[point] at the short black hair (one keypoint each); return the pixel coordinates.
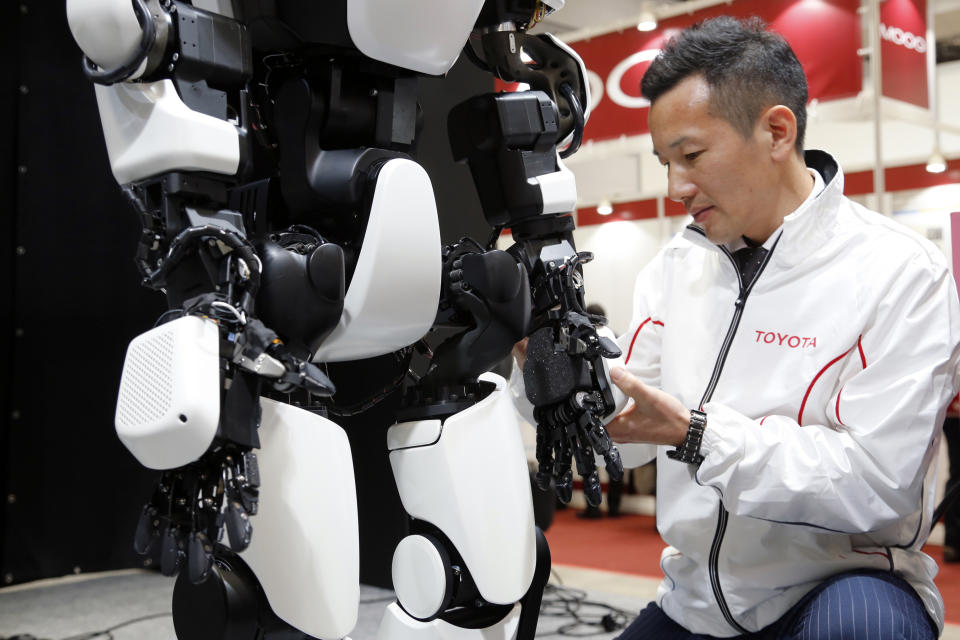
(747, 68)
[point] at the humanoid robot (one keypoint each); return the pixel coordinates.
(265, 146)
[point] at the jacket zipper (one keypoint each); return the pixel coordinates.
(723, 516)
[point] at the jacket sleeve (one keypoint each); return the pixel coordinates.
(867, 471)
(641, 347)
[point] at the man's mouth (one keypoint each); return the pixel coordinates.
(699, 215)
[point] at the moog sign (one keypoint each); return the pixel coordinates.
(903, 50)
(896, 35)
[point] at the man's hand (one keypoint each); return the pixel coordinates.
(655, 417)
(520, 352)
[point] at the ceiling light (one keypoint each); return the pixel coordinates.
(647, 21)
(605, 208)
(937, 163)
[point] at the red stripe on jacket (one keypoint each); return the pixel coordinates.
(635, 334)
(863, 361)
(817, 377)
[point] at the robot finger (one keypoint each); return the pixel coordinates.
(244, 482)
(148, 530)
(614, 465)
(563, 475)
(239, 529)
(600, 440)
(587, 469)
(171, 553)
(591, 489)
(544, 460)
(308, 376)
(199, 557)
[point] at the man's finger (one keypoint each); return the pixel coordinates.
(620, 429)
(628, 382)
(520, 352)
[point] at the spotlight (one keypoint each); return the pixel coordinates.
(937, 163)
(605, 208)
(647, 21)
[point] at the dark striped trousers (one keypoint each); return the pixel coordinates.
(860, 605)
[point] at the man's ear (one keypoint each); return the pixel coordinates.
(780, 126)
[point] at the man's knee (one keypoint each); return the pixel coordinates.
(864, 606)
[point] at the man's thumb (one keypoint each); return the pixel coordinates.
(619, 375)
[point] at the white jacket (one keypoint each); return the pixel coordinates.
(825, 390)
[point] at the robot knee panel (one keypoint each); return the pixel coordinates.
(432, 581)
(424, 578)
(438, 597)
(468, 477)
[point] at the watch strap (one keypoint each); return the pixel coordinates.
(689, 449)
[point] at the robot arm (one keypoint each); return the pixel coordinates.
(171, 85)
(510, 143)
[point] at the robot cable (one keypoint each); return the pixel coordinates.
(109, 631)
(579, 117)
(590, 618)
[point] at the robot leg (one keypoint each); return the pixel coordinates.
(475, 565)
(299, 577)
(305, 549)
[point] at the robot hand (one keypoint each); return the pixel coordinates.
(193, 505)
(260, 350)
(566, 381)
(486, 292)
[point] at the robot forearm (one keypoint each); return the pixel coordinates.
(510, 143)
(564, 374)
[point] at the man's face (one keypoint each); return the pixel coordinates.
(724, 180)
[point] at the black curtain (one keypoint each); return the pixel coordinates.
(71, 493)
(71, 490)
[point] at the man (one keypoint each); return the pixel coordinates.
(795, 352)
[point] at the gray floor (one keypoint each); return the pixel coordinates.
(65, 607)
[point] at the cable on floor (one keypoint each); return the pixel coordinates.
(108, 633)
(589, 618)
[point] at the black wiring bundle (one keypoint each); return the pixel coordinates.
(589, 618)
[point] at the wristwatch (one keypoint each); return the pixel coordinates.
(689, 449)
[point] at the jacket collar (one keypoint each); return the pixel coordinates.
(808, 228)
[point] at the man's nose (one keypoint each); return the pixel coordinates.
(679, 185)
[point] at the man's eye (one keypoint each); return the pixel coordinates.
(692, 156)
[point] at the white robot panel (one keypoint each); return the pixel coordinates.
(470, 484)
(150, 131)
(405, 34)
(91, 20)
(168, 407)
(381, 313)
(305, 552)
